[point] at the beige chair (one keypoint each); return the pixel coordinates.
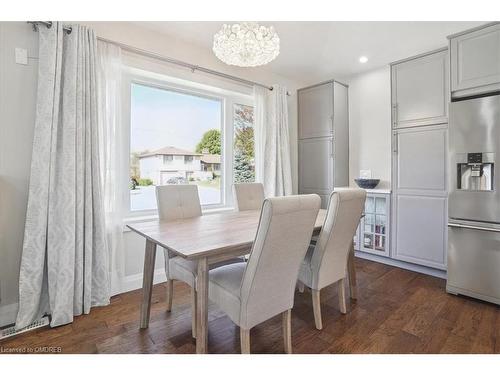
(181, 202)
(326, 262)
(248, 196)
(254, 292)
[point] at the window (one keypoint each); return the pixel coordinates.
(183, 132)
(165, 123)
(244, 150)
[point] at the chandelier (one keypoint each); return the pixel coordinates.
(246, 44)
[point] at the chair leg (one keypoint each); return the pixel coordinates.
(316, 308)
(287, 330)
(170, 293)
(353, 291)
(194, 299)
(342, 304)
(300, 285)
(245, 341)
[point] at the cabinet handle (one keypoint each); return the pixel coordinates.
(331, 124)
(486, 229)
(395, 114)
(395, 143)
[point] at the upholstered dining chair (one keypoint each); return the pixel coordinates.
(248, 196)
(253, 292)
(326, 262)
(181, 202)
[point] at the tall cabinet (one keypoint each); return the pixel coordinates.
(420, 97)
(323, 144)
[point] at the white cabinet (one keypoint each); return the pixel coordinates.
(323, 144)
(475, 61)
(316, 111)
(420, 195)
(419, 92)
(373, 234)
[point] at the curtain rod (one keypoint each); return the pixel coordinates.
(157, 56)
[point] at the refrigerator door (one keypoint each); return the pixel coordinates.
(474, 260)
(475, 128)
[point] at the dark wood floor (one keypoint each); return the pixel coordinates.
(398, 311)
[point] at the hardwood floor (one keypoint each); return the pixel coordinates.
(397, 311)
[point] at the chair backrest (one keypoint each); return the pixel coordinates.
(178, 202)
(248, 196)
(329, 260)
(284, 232)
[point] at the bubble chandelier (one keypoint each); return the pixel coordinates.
(247, 44)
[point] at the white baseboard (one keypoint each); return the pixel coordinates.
(133, 282)
(398, 263)
(8, 314)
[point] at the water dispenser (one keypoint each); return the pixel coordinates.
(475, 171)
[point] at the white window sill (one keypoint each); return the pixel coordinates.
(141, 219)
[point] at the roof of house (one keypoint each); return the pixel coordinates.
(169, 151)
(210, 159)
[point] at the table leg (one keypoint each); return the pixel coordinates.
(147, 282)
(352, 274)
(202, 307)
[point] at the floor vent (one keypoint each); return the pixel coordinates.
(11, 331)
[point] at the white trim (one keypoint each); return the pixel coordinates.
(400, 264)
(133, 282)
(8, 314)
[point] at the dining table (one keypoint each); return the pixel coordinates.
(206, 239)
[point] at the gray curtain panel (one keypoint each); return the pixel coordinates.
(65, 266)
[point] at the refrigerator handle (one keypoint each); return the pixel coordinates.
(463, 226)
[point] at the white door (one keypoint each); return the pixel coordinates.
(420, 91)
(316, 111)
(316, 167)
(475, 61)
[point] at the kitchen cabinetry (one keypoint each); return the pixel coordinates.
(419, 160)
(475, 61)
(373, 234)
(323, 144)
(419, 90)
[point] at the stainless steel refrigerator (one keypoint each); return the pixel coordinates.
(474, 199)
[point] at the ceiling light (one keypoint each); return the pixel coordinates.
(363, 59)
(246, 44)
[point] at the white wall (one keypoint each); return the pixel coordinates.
(17, 114)
(370, 125)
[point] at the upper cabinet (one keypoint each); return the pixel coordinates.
(420, 90)
(316, 111)
(475, 61)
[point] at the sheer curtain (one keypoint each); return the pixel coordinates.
(112, 140)
(272, 142)
(65, 260)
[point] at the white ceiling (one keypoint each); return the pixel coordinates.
(315, 51)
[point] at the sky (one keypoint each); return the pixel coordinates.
(161, 118)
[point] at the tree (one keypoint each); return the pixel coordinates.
(211, 141)
(243, 171)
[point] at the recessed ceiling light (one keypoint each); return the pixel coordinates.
(363, 59)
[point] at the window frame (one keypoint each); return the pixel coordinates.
(227, 99)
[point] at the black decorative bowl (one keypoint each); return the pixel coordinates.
(367, 183)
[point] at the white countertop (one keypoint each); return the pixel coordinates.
(369, 191)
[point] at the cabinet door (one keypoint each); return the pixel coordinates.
(316, 111)
(374, 227)
(475, 61)
(420, 91)
(316, 167)
(421, 230)
(420, 196)
(420, 155)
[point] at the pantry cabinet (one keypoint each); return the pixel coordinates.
(475, 61)
(419, 92)
(323, 144)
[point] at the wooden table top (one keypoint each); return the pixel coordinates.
(207, 235)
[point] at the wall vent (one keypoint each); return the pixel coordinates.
(11, 331)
